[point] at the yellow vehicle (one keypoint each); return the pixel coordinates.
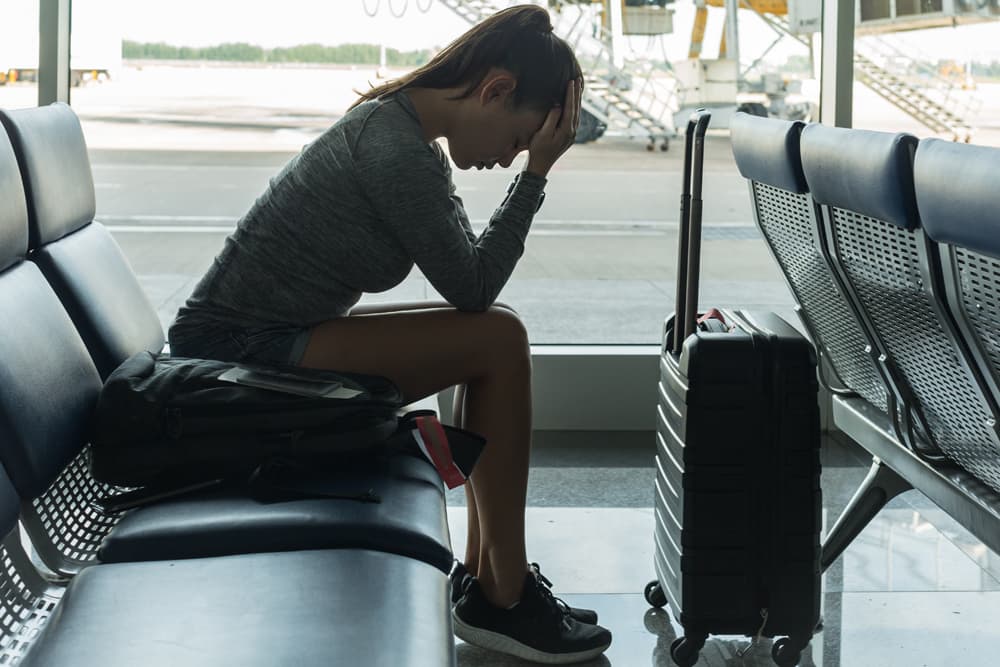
(97, 41)
(958, 74)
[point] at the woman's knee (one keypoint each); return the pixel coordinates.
(507, 323)
(503, 340)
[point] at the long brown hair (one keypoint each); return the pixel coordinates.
(518, 39)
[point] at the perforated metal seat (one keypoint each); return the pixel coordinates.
(864, 180)
(767, 155)
(962, 214)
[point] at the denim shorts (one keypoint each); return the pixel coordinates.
(207, 339)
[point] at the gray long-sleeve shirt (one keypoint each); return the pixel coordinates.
(352, 213)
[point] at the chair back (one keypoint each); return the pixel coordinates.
(864, 181)
(78, 256)
(958, 195)
(767, 155)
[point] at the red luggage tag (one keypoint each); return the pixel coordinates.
(712, 314)
(433, 442)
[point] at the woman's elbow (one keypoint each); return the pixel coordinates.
(478, 302)
(472, 306)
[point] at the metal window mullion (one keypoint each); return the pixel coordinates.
(54, 51)
(836, 100)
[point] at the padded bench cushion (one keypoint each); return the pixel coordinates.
(958, 193)
(94, 281)
(48, 385)
(304, 608)
(80, 259)
(867, 172)
(767, 151)
(13, 212)
(59, 182)
(410, 520)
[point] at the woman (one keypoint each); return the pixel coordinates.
(351, 214)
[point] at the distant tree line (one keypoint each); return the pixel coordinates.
(346, 54)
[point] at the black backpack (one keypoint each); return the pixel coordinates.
(173, 424)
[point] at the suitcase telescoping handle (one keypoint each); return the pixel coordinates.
(689, 241)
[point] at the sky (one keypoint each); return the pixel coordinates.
(271, 23)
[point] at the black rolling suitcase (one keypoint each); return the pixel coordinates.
(737, 484)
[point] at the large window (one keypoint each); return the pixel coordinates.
(206, 101)
(18, 53)
(930, 68)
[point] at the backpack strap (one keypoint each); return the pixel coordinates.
(273, 481)
(115, 503)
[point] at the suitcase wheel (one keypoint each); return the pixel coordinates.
(654, 594)
(785, 652)
(684, 651)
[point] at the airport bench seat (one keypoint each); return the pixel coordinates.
(865, 182)
(767, 154)
(303, 608)
(307, 608)
(68, 295)
(904, 322)
(409, 520)
(94, 283)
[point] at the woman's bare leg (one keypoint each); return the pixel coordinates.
(472, 536)
(425, 350)
(472, 541)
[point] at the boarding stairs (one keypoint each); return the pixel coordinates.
(636, 100)
(937, 102)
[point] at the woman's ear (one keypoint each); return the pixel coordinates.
(497, 87)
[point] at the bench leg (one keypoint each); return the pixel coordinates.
(880, 486)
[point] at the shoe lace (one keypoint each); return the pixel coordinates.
(556, 604)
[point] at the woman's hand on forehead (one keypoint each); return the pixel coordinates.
(557, 133)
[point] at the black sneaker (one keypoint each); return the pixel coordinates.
(538, 628)
(578, 613)
(460, 577)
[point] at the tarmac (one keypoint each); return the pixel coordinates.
(180, 153)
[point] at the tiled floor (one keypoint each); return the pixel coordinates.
(915, 589)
